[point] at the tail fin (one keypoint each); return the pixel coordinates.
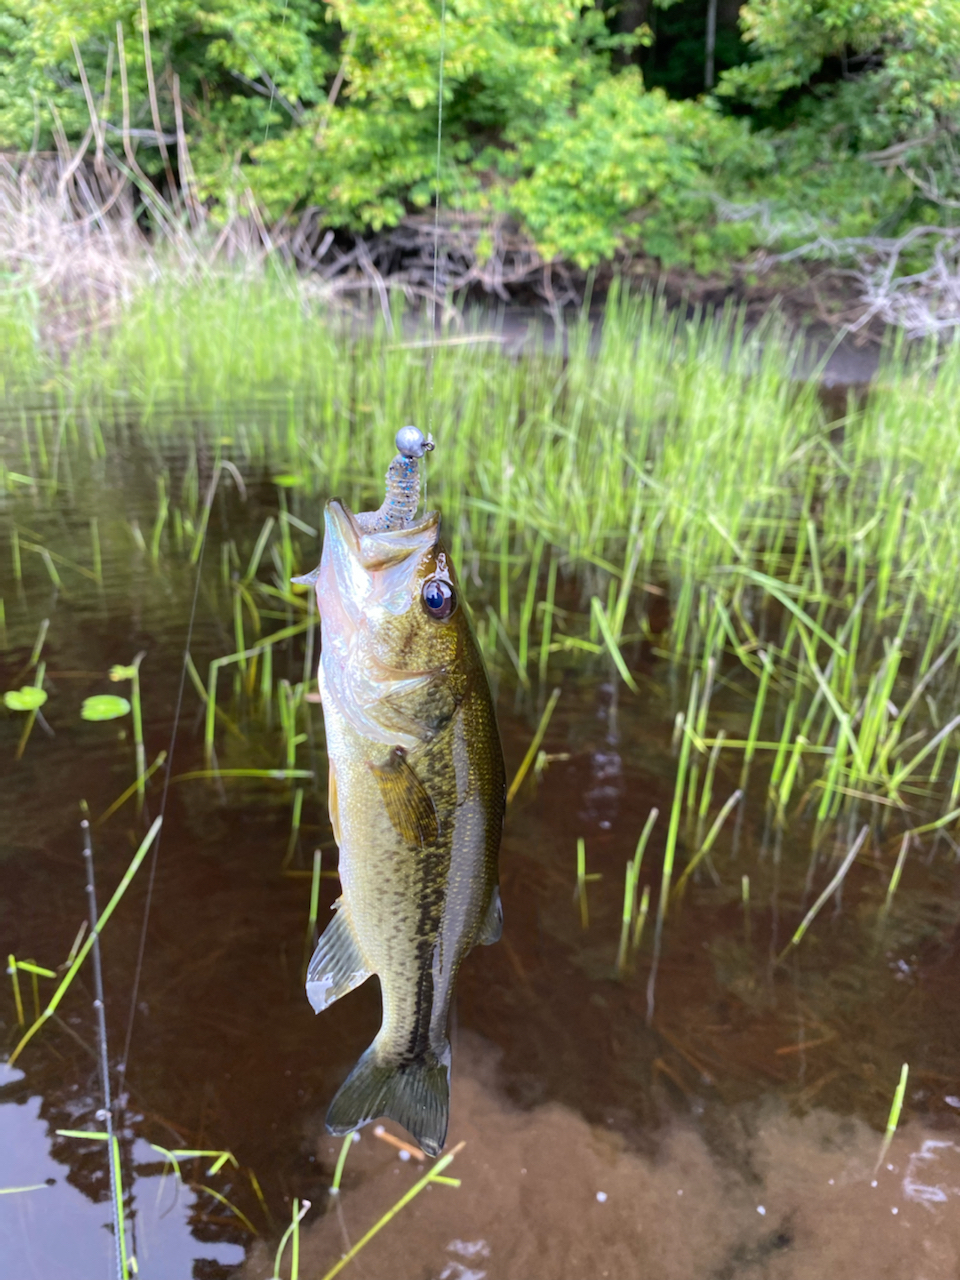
(415, 1094)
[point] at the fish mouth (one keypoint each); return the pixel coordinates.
(379, 549)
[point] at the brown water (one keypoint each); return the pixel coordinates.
(734, 1133)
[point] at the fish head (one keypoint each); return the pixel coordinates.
(390, 612)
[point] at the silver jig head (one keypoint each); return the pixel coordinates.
(403, 491)
(402, 485)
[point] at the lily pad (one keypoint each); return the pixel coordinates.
(29, 698)
(288, 481)
(104, 706)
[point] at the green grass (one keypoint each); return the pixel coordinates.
(85, 949)
(676, 449)
(659, 482)
(659, 455)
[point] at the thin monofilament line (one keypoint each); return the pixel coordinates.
(436, 212)
(436, 247)
(436, 220)
(151, 878)
(273, 83)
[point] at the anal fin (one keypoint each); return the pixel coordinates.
(333, 804)
(492, 927)
(337, 965)
(407, 801)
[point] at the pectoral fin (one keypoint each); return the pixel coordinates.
(407, 801)
(492, 926)
(337, 965)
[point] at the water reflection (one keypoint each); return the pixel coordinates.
(62, 1232)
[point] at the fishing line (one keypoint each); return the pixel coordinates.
(436, 215)
(151, 879)
(431, 394)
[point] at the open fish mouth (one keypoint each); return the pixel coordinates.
(368, 541)
(357, 521)
(373, 561)
(378, 549)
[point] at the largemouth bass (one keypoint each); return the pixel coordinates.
(416, 797)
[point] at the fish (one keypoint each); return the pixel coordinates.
(416, 796)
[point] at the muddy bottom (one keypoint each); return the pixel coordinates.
(544, 1193)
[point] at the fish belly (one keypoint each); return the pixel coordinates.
(384, 892)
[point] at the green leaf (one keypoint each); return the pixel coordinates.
(288, 481)
(122, 673)
(26, 699)
(104, 706)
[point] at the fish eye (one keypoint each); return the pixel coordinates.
(439, 598)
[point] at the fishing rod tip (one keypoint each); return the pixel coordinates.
(411, 442)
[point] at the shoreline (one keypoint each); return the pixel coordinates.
(82, 250)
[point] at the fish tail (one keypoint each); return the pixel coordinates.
(415, 1094)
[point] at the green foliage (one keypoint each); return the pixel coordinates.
(911, 47)
(227, 55)
(675, 58)
(26, 699)
(633, 168)
(510, 66)
(335, 106)
(104, 706)
(854, 86)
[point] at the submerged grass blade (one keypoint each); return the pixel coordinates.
(31, 715)
(311, 938)
(629, 907)
(671, 846)
(341, 1161)
(119, 1220)
(581, 891)
(831, 888)
(707, 845)
(641, 919)
(897, 872)
(84, 951)
(292, 1232)
(675, 811)
(894, 1118)
(404, 1200)
(237, 1213)
(776, 590)
(134, 788)
(603, 622)
(15, 981)
(534, 747)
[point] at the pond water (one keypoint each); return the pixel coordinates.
(724, 1121)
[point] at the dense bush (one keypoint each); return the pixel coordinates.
(842, 120)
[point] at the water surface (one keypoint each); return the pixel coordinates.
(730, 1127)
